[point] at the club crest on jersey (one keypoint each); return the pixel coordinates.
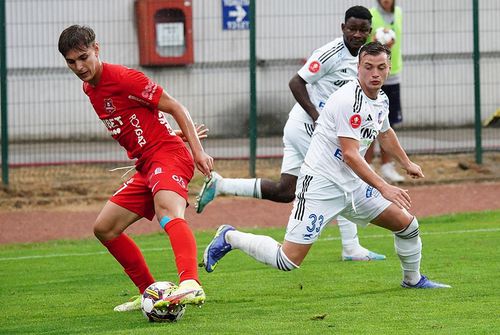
(355, 121)
(314, 67)
(108, 106)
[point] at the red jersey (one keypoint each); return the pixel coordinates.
(126, 101)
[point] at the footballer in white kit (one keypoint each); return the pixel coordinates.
(334, 180)
(327, 186)
(329, 68)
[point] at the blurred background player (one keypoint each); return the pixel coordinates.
(329, 68)
(131, 106)
(386, 15)
(336, 180)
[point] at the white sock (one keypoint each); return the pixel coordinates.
(262, 248)
(349, 236)
(240, 187)
(409, 249)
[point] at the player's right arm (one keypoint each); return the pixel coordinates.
(299, 91)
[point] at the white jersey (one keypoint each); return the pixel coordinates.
(329, 68)
(347, 113)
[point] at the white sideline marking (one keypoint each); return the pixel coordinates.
(83, 254)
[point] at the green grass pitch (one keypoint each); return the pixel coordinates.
(71, 287)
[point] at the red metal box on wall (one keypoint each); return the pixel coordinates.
(165, 32)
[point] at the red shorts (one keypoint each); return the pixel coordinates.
(164, 170)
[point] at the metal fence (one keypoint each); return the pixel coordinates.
(49, 119)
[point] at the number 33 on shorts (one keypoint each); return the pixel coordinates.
(314, 227)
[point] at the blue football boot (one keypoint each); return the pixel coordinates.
(425, 282)
(217, 248)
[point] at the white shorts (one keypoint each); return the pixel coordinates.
(318, 201)
(296, 140)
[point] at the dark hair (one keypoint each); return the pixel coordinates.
(358, 12)
(75, 37)
(392, 7)
(374, 49)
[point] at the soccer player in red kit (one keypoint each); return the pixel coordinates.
(132, 108)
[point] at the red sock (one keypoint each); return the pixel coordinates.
(128, 254)
(184, 247)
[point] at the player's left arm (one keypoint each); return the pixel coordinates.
(357, 163)
(352, 157)
(169, 105)
(390, 143)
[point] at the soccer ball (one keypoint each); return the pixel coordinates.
(385, 36)
(156, 292)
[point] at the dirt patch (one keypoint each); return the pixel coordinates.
(62, 202)
(51, 187)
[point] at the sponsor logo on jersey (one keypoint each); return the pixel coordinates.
(162, 118)
(108, 106)
(113, 124)
(355, 121)
(179, 181)
(149, 90)
(343, 70)
(314, 67)
(134, 121)
(368, 133)
(338, 154)
(142, 101)
(369, 118)
(116, 131)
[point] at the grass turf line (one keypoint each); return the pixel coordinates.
(75, 294)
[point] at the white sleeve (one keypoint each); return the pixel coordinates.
(317, 66)
(347, 122)
(385, 125)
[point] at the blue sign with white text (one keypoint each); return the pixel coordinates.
(235, 14)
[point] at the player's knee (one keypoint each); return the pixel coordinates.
(408, 230)
(105, 231)
(404, 221)
(100, 233)
(284, 263)
(169, 210)
(166, 216)
(407, 241)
